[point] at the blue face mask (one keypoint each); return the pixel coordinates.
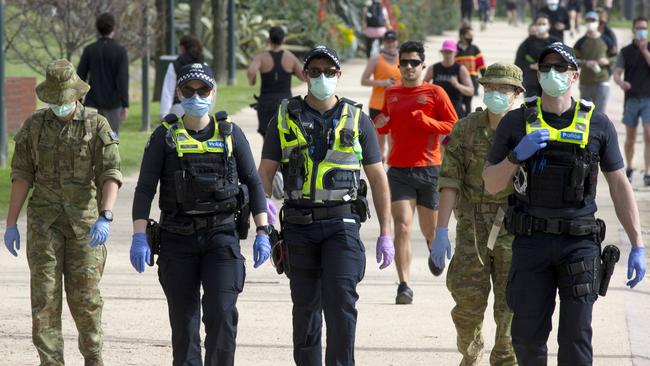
(323, 87)
(641, 34)
(554, 83)
(196, 106)
(496, 102)
(62, 110)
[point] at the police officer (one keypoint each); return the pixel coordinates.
(483, 247)
(200, 161)
(67, 153)
(553, 146)
(321, 142)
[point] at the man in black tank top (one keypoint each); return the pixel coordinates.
(276, 67)
(452, 77)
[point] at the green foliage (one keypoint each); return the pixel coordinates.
(419, 18)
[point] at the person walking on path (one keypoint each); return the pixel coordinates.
(382, 72)
(324, 206)
(374, 22)
(529, 51)
(469, 55)
(595, 53)
(415, 114)
(68, 156)
(191, 53)
(632, 74)
(105, 66)
(483, 247)
(553, 148)
(558, 18)
(452, 77)
(276, 66)
(208, 188)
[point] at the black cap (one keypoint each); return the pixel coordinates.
(197, 71)
(561, 49)
(391, 35)
(322, 51)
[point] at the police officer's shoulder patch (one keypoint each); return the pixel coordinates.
(109, 137)
(113, 136)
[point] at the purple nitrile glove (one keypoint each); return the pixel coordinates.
(385, 251)
(636, 265)
(271, 211)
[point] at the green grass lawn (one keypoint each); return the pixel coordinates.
(132, 138)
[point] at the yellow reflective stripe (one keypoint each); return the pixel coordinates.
(576, 133)
(186, 144)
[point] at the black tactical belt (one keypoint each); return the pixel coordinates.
(519, 223)
(304, 216)
(187, 225)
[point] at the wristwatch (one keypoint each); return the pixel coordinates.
(107, 215)
(267, 229)
(512, 157)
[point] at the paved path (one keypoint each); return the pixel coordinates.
(135, 312)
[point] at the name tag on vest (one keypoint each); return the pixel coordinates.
(216, 144)
(576, 136)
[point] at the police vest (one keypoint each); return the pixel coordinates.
(207, 180)
(565, 173)
(337, 176)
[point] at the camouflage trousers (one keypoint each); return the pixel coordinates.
(470, 272)
(54, 255)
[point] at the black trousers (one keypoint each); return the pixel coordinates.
(538, 269)
(327, 261)
(212, 259)
(466, 7)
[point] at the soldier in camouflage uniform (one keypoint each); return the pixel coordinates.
(64, 152)
(483, 246)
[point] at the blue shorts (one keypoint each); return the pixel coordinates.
(635, 108)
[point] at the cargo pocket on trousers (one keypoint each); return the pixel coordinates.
(238, 269)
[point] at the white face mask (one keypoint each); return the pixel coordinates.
(592, 26)
(553, 6)
(542, 29)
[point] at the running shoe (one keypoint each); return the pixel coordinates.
(646, 180)
(404, 294)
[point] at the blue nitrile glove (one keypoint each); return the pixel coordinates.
(12, 239)
(440, 246)
(140, 252)
(99, 232)
(261, 250)
(531, 143)
(636, 263)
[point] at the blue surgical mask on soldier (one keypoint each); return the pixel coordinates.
(323, 87)
(62, 110)
(641, 34)
(554, 83)
(496, 102)
(196, 106)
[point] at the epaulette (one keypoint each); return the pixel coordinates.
(294, 106)
(351, 102)
(221, 116)
(169, 119)
(586, 105)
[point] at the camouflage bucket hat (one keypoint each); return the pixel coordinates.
(503, 73)
(62, 84)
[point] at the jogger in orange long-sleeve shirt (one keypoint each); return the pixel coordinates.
(415, 114)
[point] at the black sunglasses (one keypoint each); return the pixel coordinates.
(413, 63)
(561, 67)
(314, 73)
(188, 92)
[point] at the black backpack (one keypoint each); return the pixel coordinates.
(375, 15)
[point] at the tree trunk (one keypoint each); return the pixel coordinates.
(159, 47)
(219, 38)
(196, 11)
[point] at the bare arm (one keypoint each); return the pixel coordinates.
(19, 191)
(428, 75)
(297, 68)
(267, 171)
(380, 194)
(366, 79)
(618, 79)
(497, 177)
(253, 68)
(625, 206)
(447, 203)
(109, 194)
(643, 47)
(464, 84)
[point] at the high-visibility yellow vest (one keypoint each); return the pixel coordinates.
(186, 144)
(337, 176)
(575, 133)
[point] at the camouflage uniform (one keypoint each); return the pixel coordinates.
(64, 163)
(473, 264)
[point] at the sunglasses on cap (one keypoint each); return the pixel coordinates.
(314, 72)
(188, 91)
(561, 67)
(412, 63)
